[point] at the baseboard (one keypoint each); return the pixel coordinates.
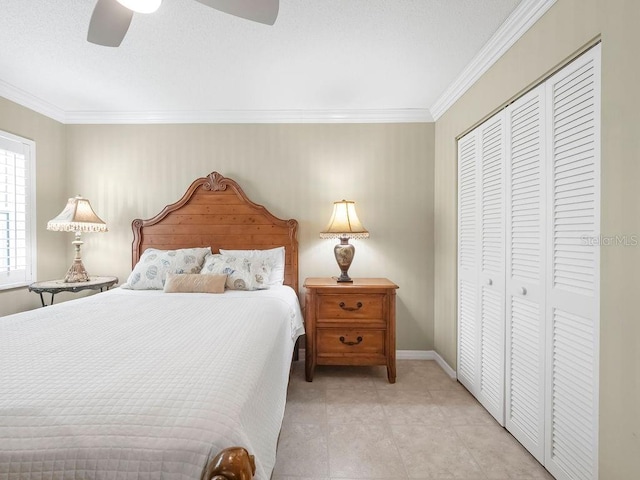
(445, 366)
(417, 355)
(426, 355)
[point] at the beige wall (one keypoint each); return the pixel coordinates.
(567, 27)
(296, 171)
(51, 195)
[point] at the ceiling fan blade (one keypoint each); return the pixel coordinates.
(109, 23)
(261, 11)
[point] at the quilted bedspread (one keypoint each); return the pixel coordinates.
(142, 384)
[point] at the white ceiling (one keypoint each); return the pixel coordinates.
(187, 59)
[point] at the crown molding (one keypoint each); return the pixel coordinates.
(30, 101)
(522, 18)
(254, 116)
(398, 115)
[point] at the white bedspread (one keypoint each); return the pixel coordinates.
(142, 384)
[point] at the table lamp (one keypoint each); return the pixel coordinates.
(344, 224)
(78, 217)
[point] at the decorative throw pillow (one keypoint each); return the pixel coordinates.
(274, 256)
(194, 283)
(242, 273)
(151, 270)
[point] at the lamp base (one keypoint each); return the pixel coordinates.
(344, 253)
(342, 279)
(76, 273)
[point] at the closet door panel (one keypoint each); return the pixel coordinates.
(573, 269)
(528, 268)
(491, 137)
(468, 329)
(525, 293)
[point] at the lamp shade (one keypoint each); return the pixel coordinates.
(344, 222)
(77, 216)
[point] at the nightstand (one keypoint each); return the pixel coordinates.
(350, 323)
(57, 286)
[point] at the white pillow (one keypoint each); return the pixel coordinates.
(242, 273)
(151, 270)
(274, 256)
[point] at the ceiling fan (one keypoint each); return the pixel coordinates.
(111, 18)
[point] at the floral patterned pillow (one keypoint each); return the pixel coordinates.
(242, 273)
(275, 257)
(151, 270)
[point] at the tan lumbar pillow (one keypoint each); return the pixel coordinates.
(194, 283)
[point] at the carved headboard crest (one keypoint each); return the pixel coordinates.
(216, 182)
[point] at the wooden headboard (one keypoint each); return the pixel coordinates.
(214, 212)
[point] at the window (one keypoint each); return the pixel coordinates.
(17, 211)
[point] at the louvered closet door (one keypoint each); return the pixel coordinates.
(573, 97)
(468, 262)
(481, 158)
(525, 292)
(491, 152)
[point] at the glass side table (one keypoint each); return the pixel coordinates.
(57, 286)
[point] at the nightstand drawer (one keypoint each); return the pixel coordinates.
(352, 306)
(350, 341)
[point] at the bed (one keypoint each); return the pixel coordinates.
(136, 383)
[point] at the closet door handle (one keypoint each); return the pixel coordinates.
(489, 282)
(523, 290)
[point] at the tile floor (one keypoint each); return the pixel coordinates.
(350, 423)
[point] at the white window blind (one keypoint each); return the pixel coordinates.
(17, 211)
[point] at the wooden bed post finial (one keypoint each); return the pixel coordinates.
(233, 463)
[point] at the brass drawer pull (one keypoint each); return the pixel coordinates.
(359, 340)
(350, 309)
